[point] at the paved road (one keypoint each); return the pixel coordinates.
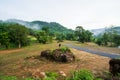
(110, 55)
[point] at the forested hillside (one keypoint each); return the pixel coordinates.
(37, 25)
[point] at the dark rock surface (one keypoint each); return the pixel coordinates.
(58, 55)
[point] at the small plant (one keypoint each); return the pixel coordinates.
(82, 74)
(51, 75)
(64, 49)
(29, 79)
(8, 78)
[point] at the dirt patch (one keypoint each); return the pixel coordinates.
(97, 64)
(10, 51)
(84, 60)
(25, 67)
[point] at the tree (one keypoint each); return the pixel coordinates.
(18, 34)
(4, 39)
(70, 36)
(116, 40)
(79, 31)
(105, 39)
(41, 37)
(46, 29)
(99, 41)
(83, 35)
(60, 37)
(88, 36)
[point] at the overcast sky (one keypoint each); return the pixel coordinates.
(90, 14)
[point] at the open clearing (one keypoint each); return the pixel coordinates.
(23, 62)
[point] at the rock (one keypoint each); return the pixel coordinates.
(39, 74)
(45, 53)
(62, 73)
(114, 66)
(58, 55)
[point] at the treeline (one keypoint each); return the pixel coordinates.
(16, 35)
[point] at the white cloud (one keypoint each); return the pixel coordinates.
(70, 13)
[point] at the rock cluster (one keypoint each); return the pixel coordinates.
(58, 55)
(114, 66)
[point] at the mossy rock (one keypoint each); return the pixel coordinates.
(61, 55)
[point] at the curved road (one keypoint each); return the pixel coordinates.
(113, 55)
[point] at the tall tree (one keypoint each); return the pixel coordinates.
(83, 35)
(79, 31)
(18, 34)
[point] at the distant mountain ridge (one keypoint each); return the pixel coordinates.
(53, 26)
(56, 27)
(102, 30)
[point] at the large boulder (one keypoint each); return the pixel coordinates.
(114, 66)
(58, 55)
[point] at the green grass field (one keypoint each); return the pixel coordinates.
(12, 61)
(22, 62)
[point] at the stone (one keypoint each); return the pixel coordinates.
(58, 55)
(62, 73)
(114, 66)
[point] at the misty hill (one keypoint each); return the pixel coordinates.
(37, 25)
(101, 31)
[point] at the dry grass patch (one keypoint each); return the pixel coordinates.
(15, 63)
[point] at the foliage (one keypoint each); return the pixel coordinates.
(18, 34)
(82, 74)
(8, 78)
(46, 29)
(60, 37)
(42, 37)
(99, 41)
(12, 33)
(83, 35)
(51, 76)
(70, 36)
(116, 40)
(4, 39)
(110, 36)
(64, 49)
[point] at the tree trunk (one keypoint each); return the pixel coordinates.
(19, 45)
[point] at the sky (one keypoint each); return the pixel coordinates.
(91, 14)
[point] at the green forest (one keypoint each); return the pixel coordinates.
(14, 35)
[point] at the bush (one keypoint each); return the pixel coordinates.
(64, 49)
(51, 76)
(81, 75)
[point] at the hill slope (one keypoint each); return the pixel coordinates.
(53, 26)
(100, 31)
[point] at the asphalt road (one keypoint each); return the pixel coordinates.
(110, 55)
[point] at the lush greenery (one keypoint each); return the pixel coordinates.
(109, 38)
(82, 74)
(83, 35)
(13, 34)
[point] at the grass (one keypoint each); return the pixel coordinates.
(12, 60)
(23, 62)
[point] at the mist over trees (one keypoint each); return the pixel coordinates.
(16, 35)
(109, 38)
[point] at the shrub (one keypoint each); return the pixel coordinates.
(64, 49)
(81, 75)
(51, 75)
